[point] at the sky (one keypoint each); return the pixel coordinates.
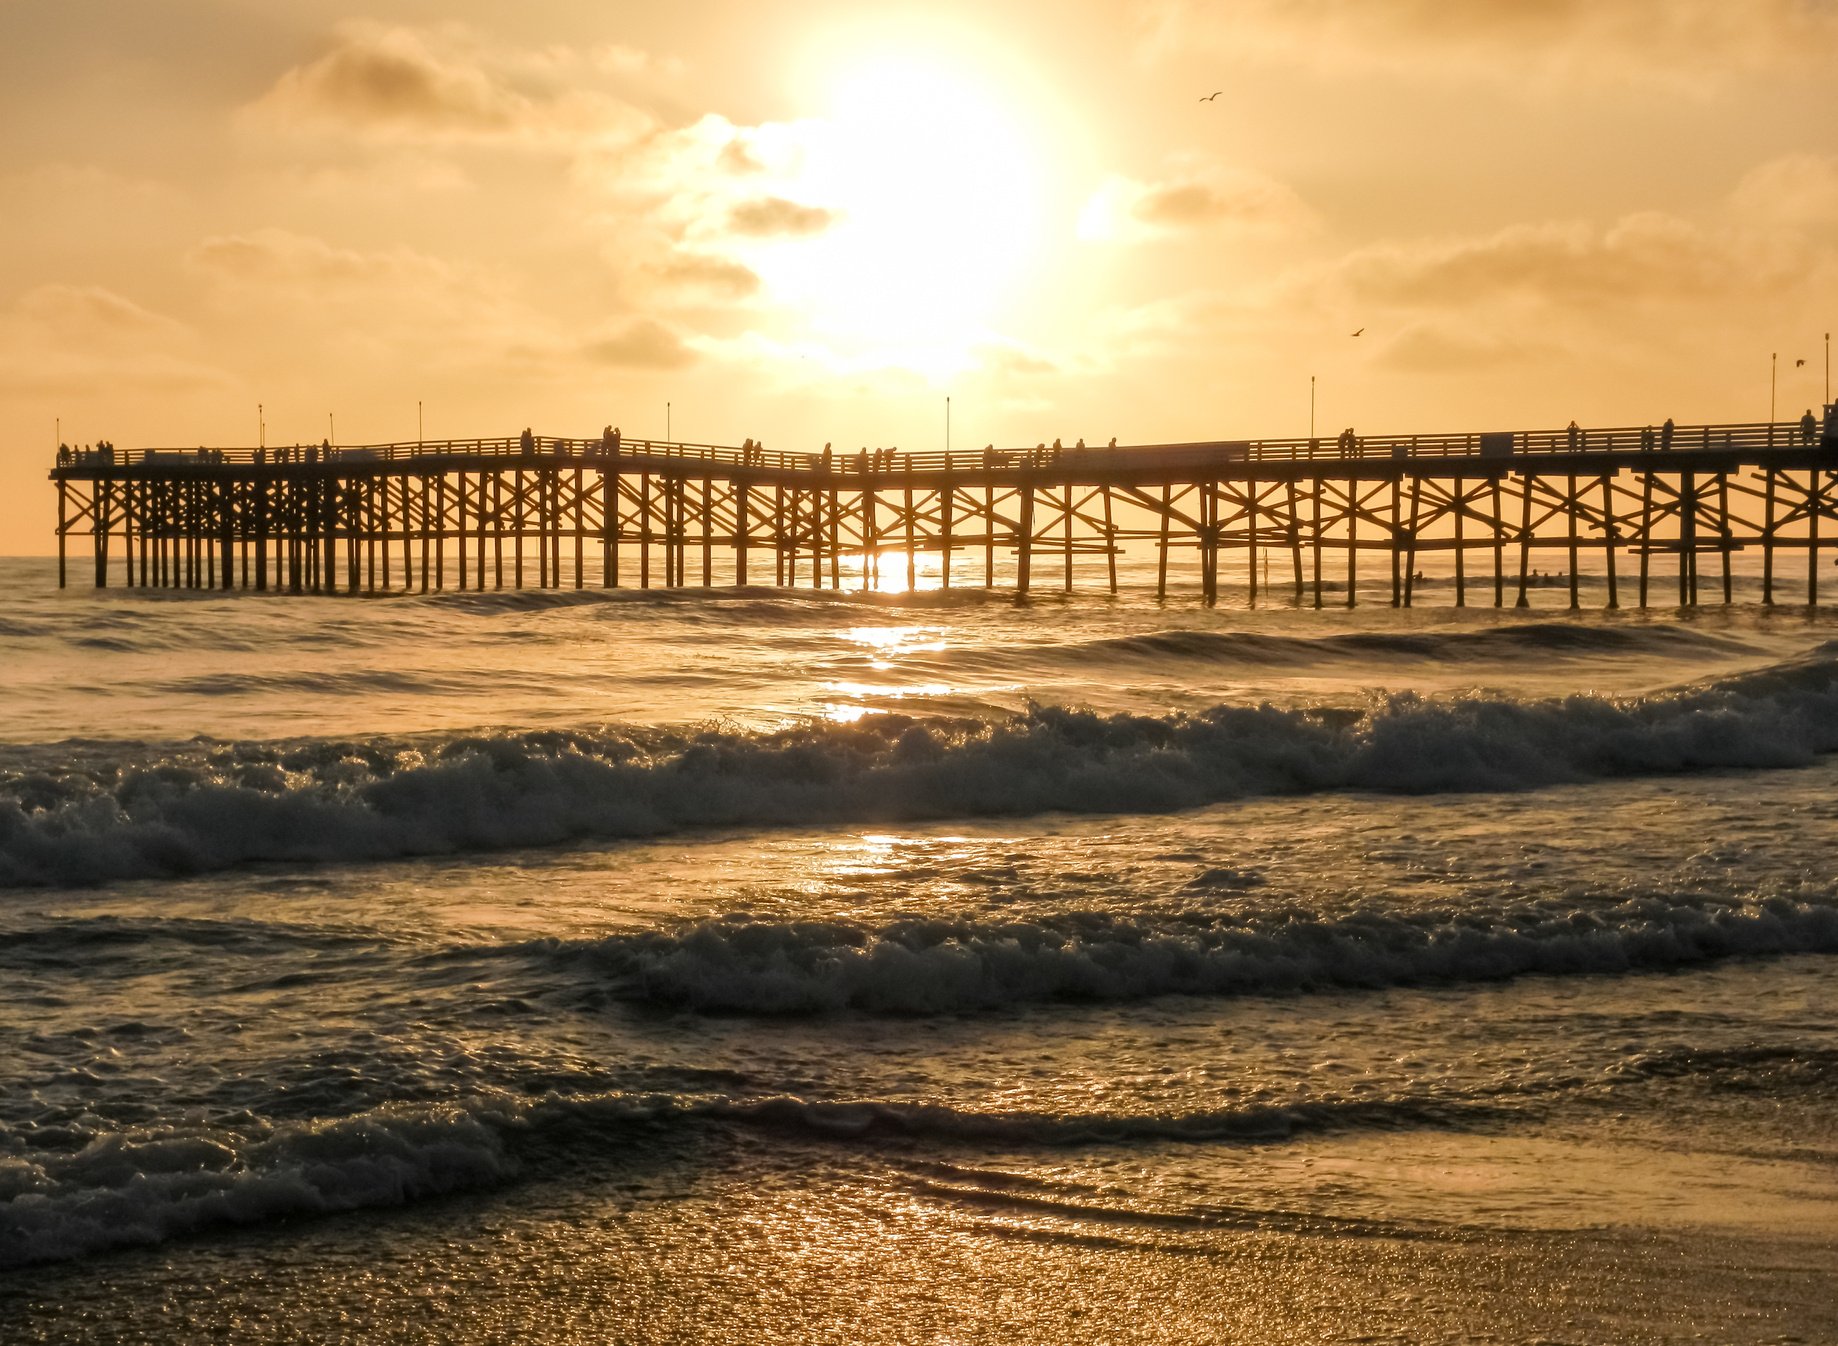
(816, 222)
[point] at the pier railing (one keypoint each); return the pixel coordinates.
(1746, 437)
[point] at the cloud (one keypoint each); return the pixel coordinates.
(1440, 348)
(1126, 209)
(643, 344)
(90, 341)
(278, 257)
(1639, 259)
(1007, 358)
(713, 275)
(343, 304)
(776, 217)
(1800, 190)
(1698, 39)
(442, 86)
(92, 314)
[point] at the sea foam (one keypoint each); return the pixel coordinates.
(743, 965)
(135, 811)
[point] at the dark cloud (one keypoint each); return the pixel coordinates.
(737, 158)
(1641, 258)
(1696, 38)
(716, 275)
(403, 83)
(774, 216)
(644, 344)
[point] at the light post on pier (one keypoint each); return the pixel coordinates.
(666, 422)
(1774, 360)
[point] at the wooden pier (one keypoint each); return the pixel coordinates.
(1640, 509)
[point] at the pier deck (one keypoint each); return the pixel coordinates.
(496, 513)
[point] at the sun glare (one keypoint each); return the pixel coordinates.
(937, 202)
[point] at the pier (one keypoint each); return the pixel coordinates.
(1651, 513)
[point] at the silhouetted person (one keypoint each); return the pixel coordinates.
(1808, 427)
(1574, 433)
(526, 441)
(826, 457)
(63, 455)
(1113, 441)
(1080, 444)
(1665, 434)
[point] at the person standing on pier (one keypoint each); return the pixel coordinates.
(526, 441)
(1665, 434)
(1809, 428)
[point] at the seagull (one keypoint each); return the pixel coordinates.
(1209, 97)
(1798, 363)
(1360, 330)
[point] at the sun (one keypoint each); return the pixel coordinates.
(936, 205)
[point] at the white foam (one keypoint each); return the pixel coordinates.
(205, 808)
(123, 1190)
(918, 967)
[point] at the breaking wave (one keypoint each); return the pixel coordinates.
(74, 814)
(740, 965)
(130, 1189)
(1521, 639)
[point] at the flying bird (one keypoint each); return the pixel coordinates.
(1798, 363)
(1360, 330)
(1209, 97)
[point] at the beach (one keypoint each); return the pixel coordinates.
(683, 965)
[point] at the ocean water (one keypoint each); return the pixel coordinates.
(793, 966)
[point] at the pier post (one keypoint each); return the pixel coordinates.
(741, 508)
(1525, 538)
(1611, 540)
(1573, 518)
(1767, 540)
(1025, 539)
(1110, 544)
(1723, 530)
(1315, 540)
(1815, 502)
(1161, 568)
(1354, 505)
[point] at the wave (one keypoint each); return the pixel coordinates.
(724, 603)
(67, 1195)
(739, 965)
(129, 1189)
(203, 807)
(1546, 639)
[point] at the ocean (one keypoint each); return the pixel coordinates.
(798, 966)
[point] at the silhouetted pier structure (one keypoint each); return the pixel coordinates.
(491, 513)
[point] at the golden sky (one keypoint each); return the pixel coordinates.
(809, 222)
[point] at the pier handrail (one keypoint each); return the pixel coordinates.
(1762, 435)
